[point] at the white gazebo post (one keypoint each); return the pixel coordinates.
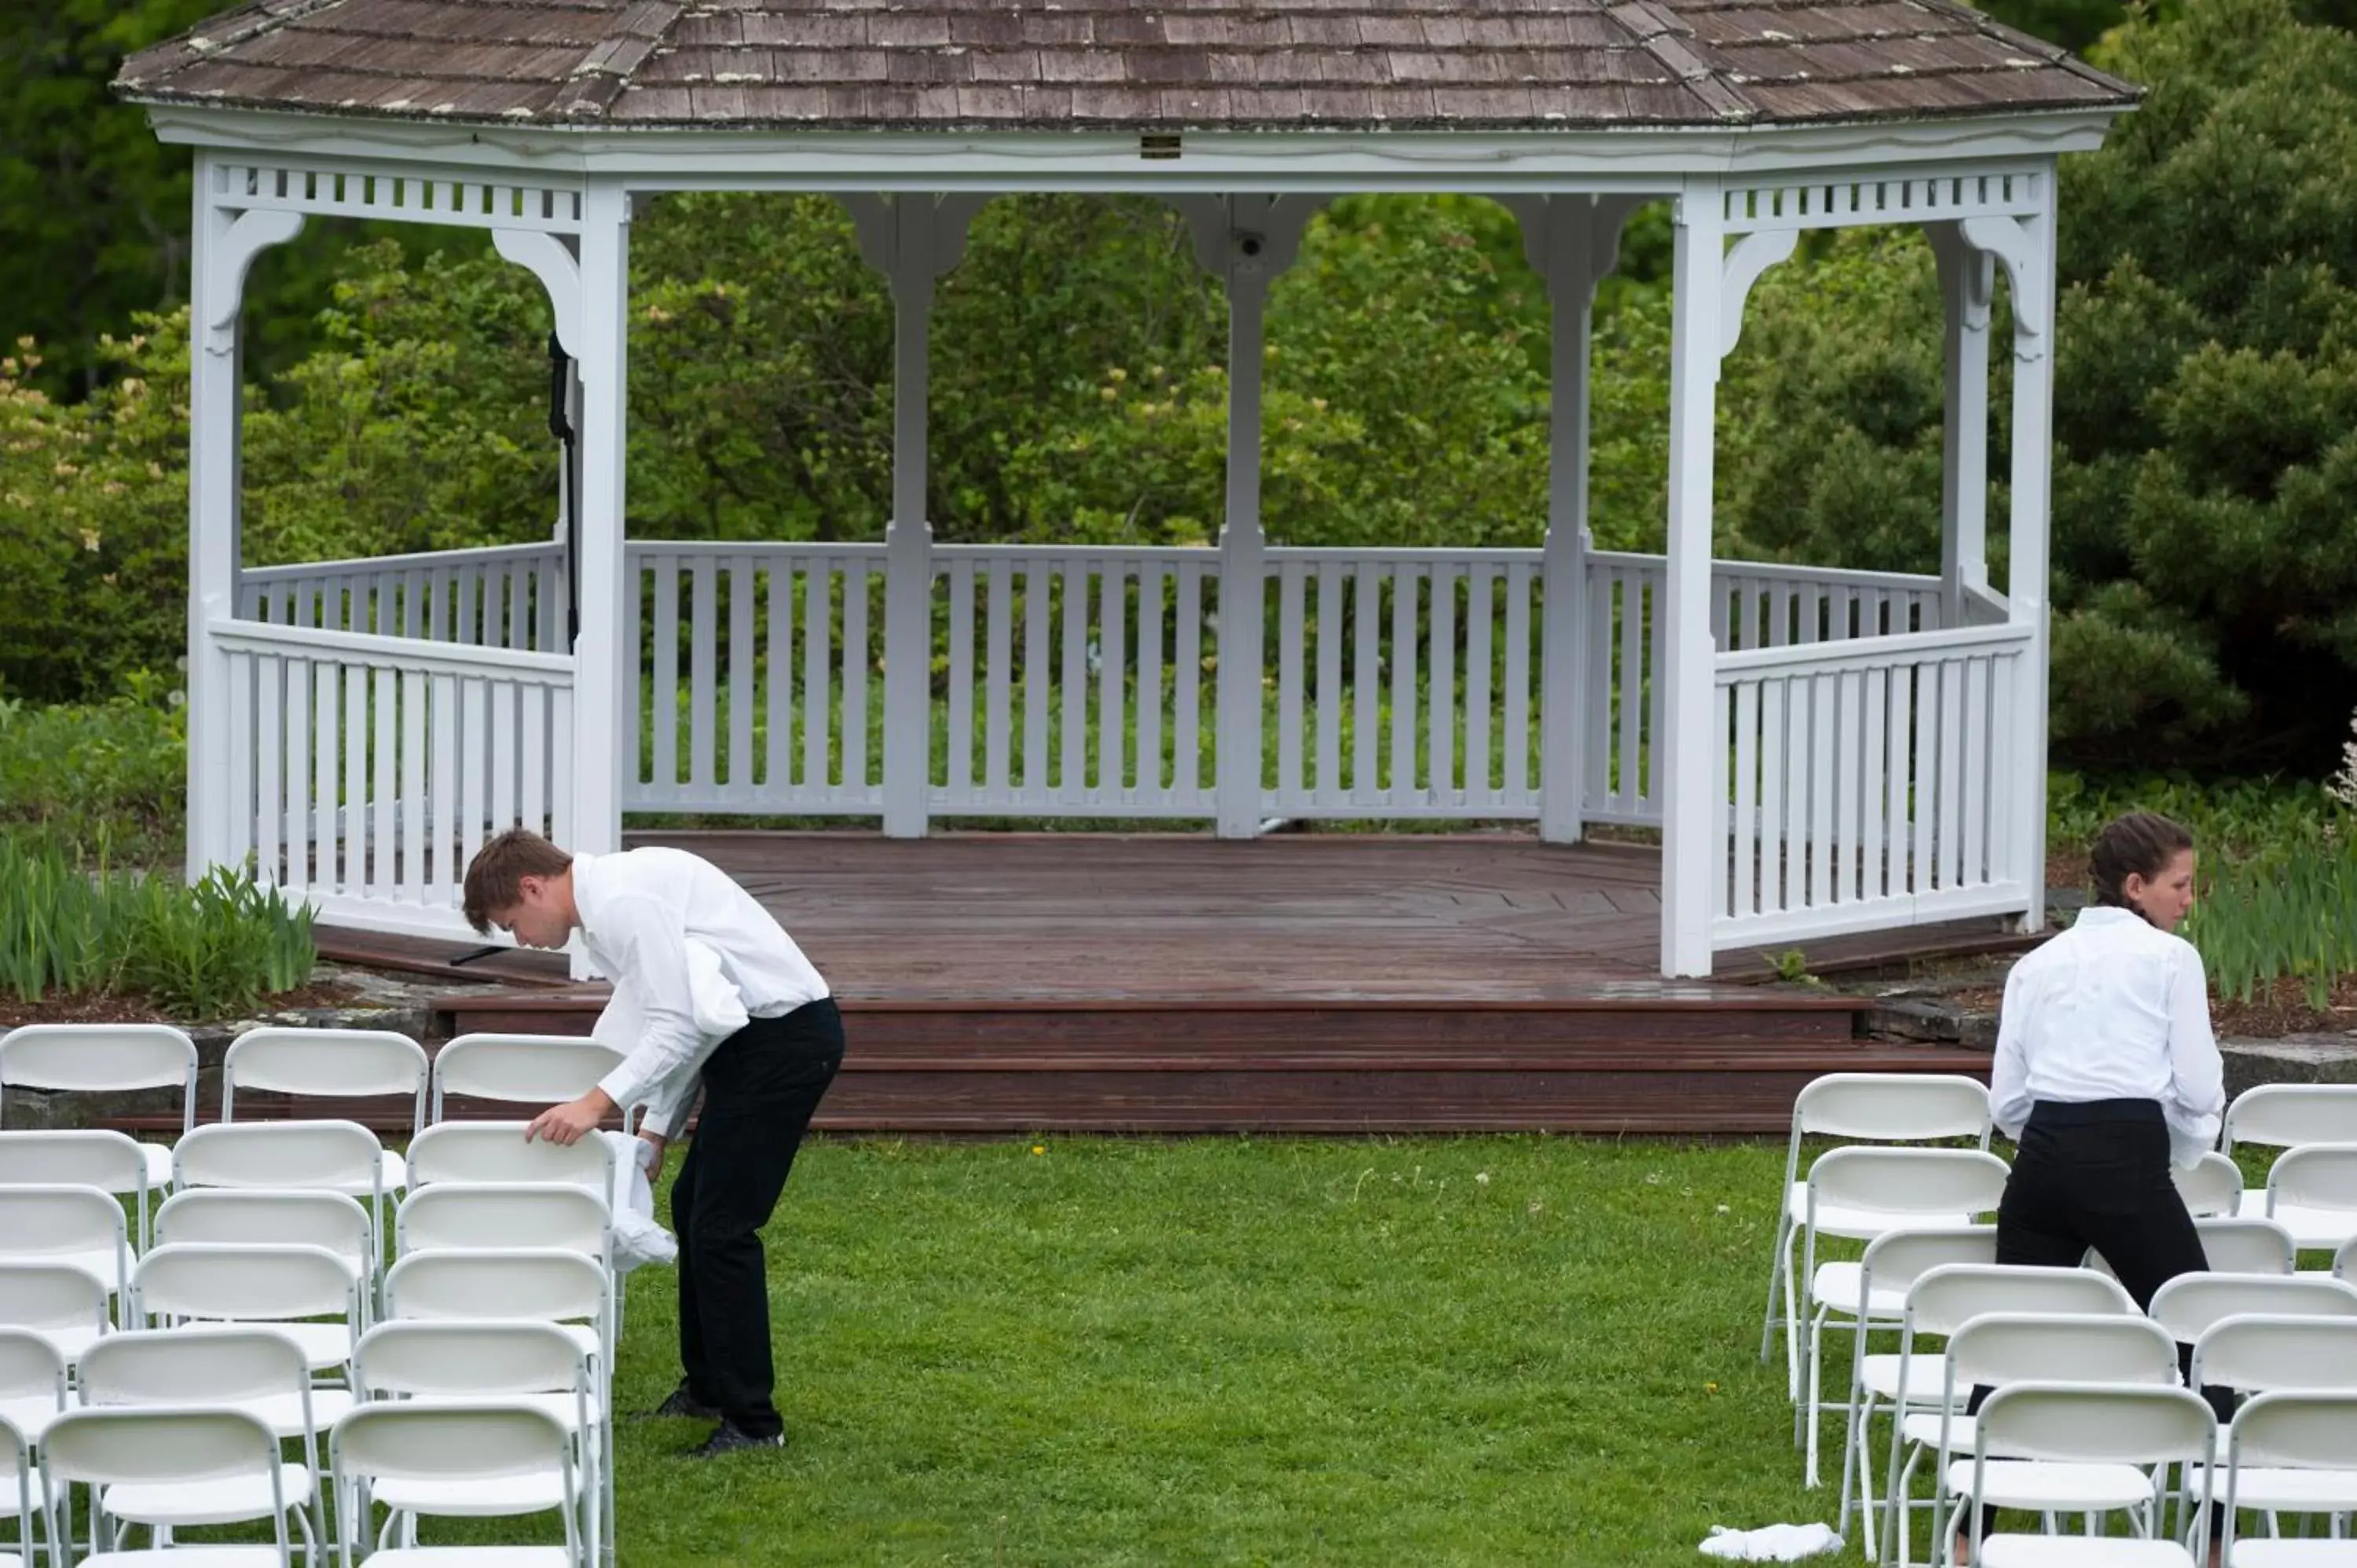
(1573, 241)
(226, 240)
(606, 686)
(2025, 246)
(1966, 281)
(912, 240)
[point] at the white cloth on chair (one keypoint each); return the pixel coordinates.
(1773, 1544)
(719, 1013)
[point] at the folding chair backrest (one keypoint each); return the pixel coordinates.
(2306, 1430)
(539, 1283)
(61, 1223)
(2255, 1351)
(335, 1064)
(76, 1156)
(17, 1454)
(529, 1069)
(1893, 1106)
(93, 1057)
(1944, 1299)
(1900, 1181)
(2188, 1305)
(2314, 1175)
(2212, 1184)
(30, 1367)
(452, 1359)
(283, 1155)
(234, 1217)
(2344, 1261)
(474, 1217)
(1897, 1259)
(496, 1152)
(2101, 1424)
(117, 1446)
(2003, 1348)
(244, 1284)
(2247, 1246)
(2287, 1115)
(51, 1295)
(404, 1440)
(193, 1366)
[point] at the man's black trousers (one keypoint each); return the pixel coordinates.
(761, 1086)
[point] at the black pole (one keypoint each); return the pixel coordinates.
(560, 424)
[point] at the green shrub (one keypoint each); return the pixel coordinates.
(205, 951)
(103, 781)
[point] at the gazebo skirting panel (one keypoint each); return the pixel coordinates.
(1864, 719)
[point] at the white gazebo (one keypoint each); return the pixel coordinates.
(1823, 751)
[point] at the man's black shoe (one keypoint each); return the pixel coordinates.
(729, 1437)
(681, 1406)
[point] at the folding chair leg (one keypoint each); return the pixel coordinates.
(1776, 1272)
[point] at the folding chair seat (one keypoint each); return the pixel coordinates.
(280, 1287)
(78, 1157)
(106, 1058)
(538, 1070)
(334, 1065)
(2073, 1447)
(259, 1373)
(1875, 1108)
(2277, 1436)
(1860, 1194)
(181, 1446)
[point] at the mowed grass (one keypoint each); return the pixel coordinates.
(1227, 1350)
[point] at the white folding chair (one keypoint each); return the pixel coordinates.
(2287, 1115)
(545, 1283)
(2277, 1437)
(255, 1217)
(1939, 1304)
(2189, 1304)
(32, 1382)
(2312, 1193)
(2212, 1186)
(430, 1445)
(538, 1070)
(260, 1372)
(1862, 1193)
(80, 1227)
(65, 1306)
(79, 1156)
(330, 1157)
(2260, 1354)
(1864, 1107)
(193, 1447)
(287, 1288)
(495, 1152)
(1893, 1262)
(528, 1362)
(331, 1064)
(2074, 1446)
(106, 1058)
(2234, 1246)
(16, 1494)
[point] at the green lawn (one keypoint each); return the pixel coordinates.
(1480, 1350)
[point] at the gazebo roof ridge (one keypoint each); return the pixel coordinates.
(1180, 66)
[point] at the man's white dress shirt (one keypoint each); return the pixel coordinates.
(2113, 1008)
(638, 911)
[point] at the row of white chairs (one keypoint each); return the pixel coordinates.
(1944, 1279)
(2312, 1190)
(490, 1417)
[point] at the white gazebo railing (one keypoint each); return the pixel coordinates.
(1870, 783)
(509, 595)
(366, 770)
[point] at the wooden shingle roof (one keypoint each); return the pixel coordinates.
(1142, 65)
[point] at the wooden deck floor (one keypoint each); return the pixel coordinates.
(1298, 982)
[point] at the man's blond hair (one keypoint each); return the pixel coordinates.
(495, 877)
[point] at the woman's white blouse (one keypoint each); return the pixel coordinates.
(2113, 1008)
